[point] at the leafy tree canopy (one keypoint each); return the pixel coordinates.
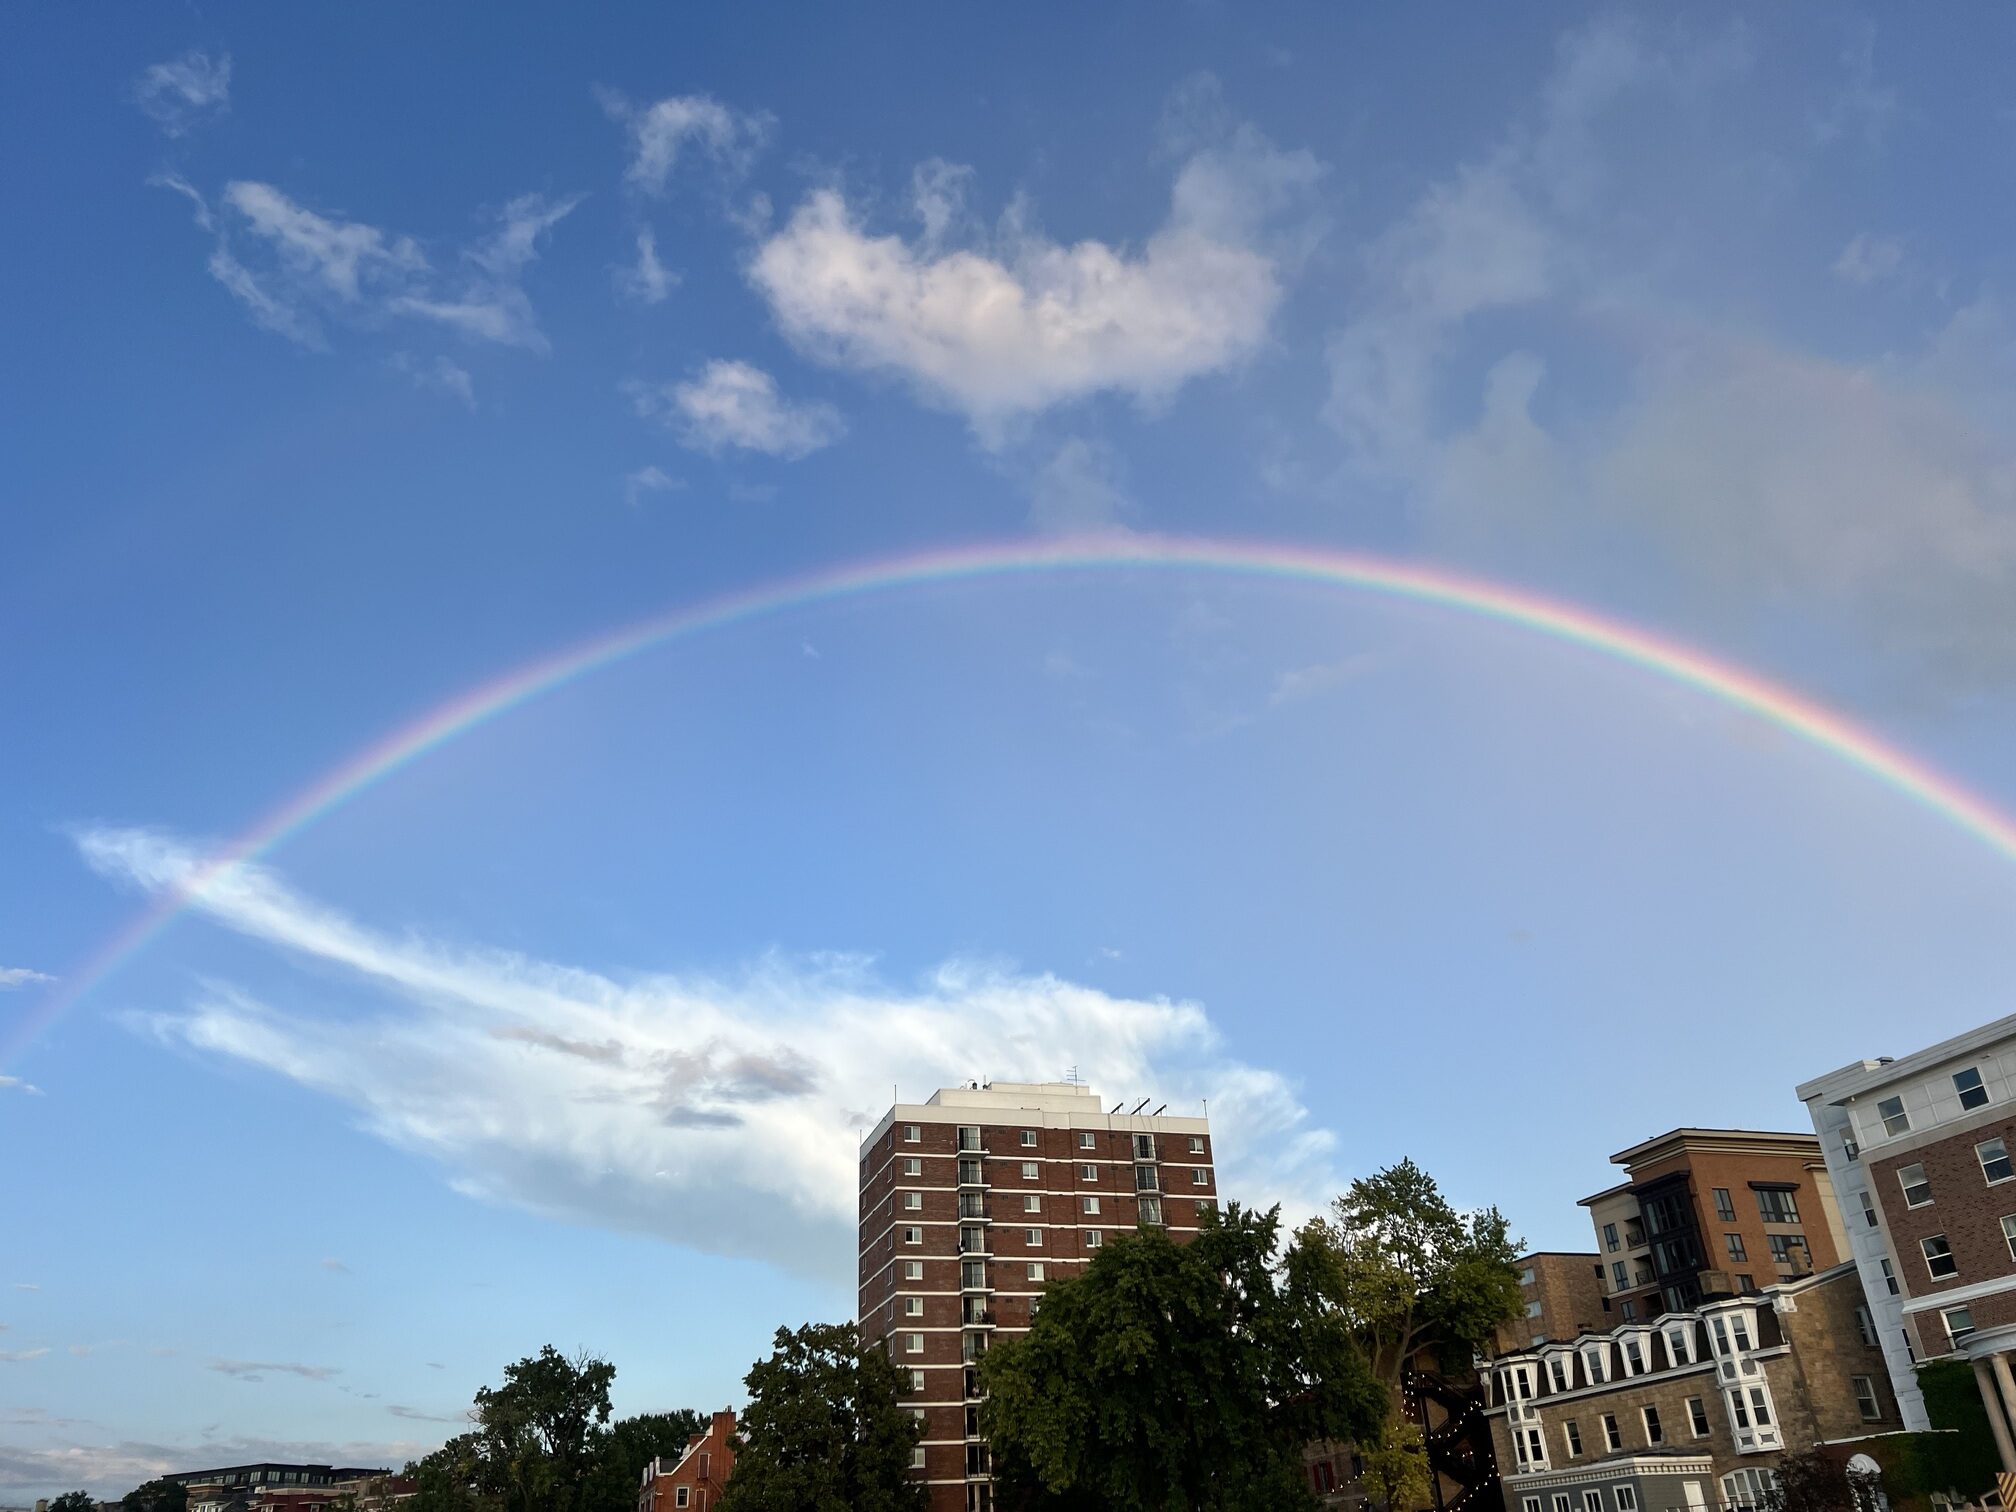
(1815, 1481)
(157, 1496)
(824, 1431)
(1177, 1376)
(74, 1501)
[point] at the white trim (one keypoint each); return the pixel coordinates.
(1968, 1293)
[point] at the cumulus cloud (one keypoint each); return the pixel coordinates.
(1009, 322)
(179, 94)
(294, 268)
(12, 977)
(15, 1084)
(660, 133)
(737, 406)
(720, 1112)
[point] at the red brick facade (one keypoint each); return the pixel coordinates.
(1966, 1209)
(695, 1481)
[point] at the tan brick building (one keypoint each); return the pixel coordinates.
(1561, 1295)
(1691, 1410)
(971, 1203)
(1708, 1213)
(1923, 1151)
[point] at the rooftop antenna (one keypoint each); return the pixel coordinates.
(1071, 1077)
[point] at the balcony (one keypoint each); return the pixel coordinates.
(973, 1208)
(972, 1174)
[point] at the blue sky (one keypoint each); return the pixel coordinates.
(357, 355)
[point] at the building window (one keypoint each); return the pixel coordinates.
(1620, 1275)
(1035, 1270)
(1634, 1357)
(1654, 1432)
(1784, 1246)
(1627, 1498)
(916, 1456)
(1630, 1312)
(1574, 1437)
(913, 1270)
(1199, 1176)
(2009, 1234)
(1968, 1084)
(912, 1166)
(1557, 1369)
(1088, 1173)
(1889, 1277)
(1196, 1144)
(1868, 1208)
(1697, 1416)
(1745, 1490)
(1865, 1326)
(1594, 1361)
(1534, 1308)
(1089, 1204)
(1735, 1245)
(1895, 1120)
(1151, 1210)
(1561, 1502)
(1032, 1202)
(913, 1307)
(969, 1141)
(1959, 1323)
(1865, 1399)
(912, 1201)
(1724, 1208)
(1093, 1238)
(1530, 1504)
(1592, 1500)
(1745, 1282)
(1777, 1206)
(911, 1134)
(1679, 1348)
(1849, 1148)
(1030, 1170)
(1325, 1477)
(913, 1343)
(1611, 1435)
(1994, 1157)
(681, 1495)
(1917, 1185)
(1144, 1146)
(913, 1236)
(1028, 1139)
(1939, 1262)
(1144, 1179)
(916, 1380)
(1087, 1140)
(1610, 1237)
(1032, 1237)
(1526, 1276)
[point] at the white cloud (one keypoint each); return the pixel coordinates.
(648, 281)
(1869, 259)
(18, 1356)
(1858, 105)
(313, 266)
(659, 133)
(648, 480)
(1080, 489)
(12, 977)
(442, 375)
(491, 304)
(15, 1084)
(1016, 322)
(737, 405)
(717, 1112)
(258, 1370)
(111, 1470)
(179, 94)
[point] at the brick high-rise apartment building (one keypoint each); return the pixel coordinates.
(1705, 1213)
(1923, 1152)
(971, 1203)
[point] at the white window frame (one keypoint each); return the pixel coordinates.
(682, 1496)
(1946, 1322)
(1964, 1093)
(1946, 1254)
(913, 1202)
(1698, 1422)
(1031, 1170)
(2009, 1233)
(913, 1270)
(1032, 1202)
(1088, 1173)
(1983, 1160)
(1199, 1176)
(1907, 1186)
(1028, 1139)
(912, 1134)
(1036, 1270)
(1902, 1119)
(1626, 1497)
(913, 1235)
(913, 1307)
(1867, 1402)
(1571, 1435)
(1094, 1239)
(1613, 1435)
(1033, 1238)
(1088, 1204)
(1592, 1499)
(1087, 1140)
(913, 1343)
(1653, 1425)
(1196, 1144)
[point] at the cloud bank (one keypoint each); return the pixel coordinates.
(718, 1112)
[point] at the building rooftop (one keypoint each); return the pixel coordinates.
(1859, 1078)
(1750, 1141)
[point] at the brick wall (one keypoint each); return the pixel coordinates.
(1966, 1209)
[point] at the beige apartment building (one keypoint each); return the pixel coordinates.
(973, 1201)
(1692, 1410)
(1705, 1213)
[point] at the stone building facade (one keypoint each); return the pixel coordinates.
(971, 1203)
(1693, 1409)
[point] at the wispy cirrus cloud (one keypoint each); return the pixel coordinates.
(296, 270)
(258, 1370)
(649, 479)
(18, 1356)
(736, 406)
(643, 1104)
(181, 93)
(15, 1084)
(1004, 323)
(662, 132)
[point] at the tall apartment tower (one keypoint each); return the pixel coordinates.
(1704, 1213)
(1923, 1151)
(971, 1203)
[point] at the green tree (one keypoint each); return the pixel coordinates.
(824, 1430)
(537, 1444)
(74, 1501)
(1177, 1376)
(632, 1443)
(157, 1496)
(1816, 1481)
(1410, 1276)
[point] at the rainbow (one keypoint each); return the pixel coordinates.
(1577, 626)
